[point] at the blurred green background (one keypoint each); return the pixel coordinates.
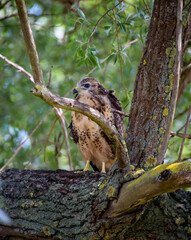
(62, 35)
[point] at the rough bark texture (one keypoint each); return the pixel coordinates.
(150, 115)
(66, 205)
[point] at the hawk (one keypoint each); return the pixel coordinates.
(96, 148)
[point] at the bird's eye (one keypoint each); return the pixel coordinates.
(87, 85)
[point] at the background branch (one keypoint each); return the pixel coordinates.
(21, 69)
(176, 134)
(184, 137)
(29, 41)
(62, 121)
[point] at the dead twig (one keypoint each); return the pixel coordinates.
(182, 127)
(50, 77)
(175, 134)
(184, 137)
(147, 8)
(21, 69)
(180, 114)
(122, 113)
(2, 5)
(56, 147)
(101, 18)
(62, 121)
(47, 141)
(118, 49)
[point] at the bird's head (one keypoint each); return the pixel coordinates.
(89, 85)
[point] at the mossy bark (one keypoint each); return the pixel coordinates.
(68, 205)
(156, 87)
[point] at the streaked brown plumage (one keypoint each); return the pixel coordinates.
(95, 146)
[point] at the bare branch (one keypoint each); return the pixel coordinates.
(29, 41)
(122, 113)
(47, 140)
(4, 4)
(101, 18)
(147, 8)
(118, 49)
(130, 43)
(30, 15)
(180, 129)
(50, 77)
(178, 55)
(162, 179)
(21, 69)
(176, 134)
(184, 137)
(180, 114)
(61, 119)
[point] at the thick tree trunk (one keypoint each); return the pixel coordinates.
(68, 205)
(155, 90)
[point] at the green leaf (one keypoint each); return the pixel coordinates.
(98, 62)
(110, 57)
(81, 52)
(92, 58)
(123, 9)
(122, 27)
(79, 64)
(115, 58)
(107, 27)
(80, 12)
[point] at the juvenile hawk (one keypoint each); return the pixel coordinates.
(95, 147)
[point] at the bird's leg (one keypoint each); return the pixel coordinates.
(103, 167)
(87, 166)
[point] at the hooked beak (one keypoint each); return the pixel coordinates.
(75, 90)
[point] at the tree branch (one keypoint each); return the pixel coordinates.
(61, 119)
(96, 116)
(100, 19)
(185, 132)
(162, 179)
(2, 5)
(176, 134)
(30, 44)
(21, 69)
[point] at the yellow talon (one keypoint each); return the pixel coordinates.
(103, 167)
(87, 166)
